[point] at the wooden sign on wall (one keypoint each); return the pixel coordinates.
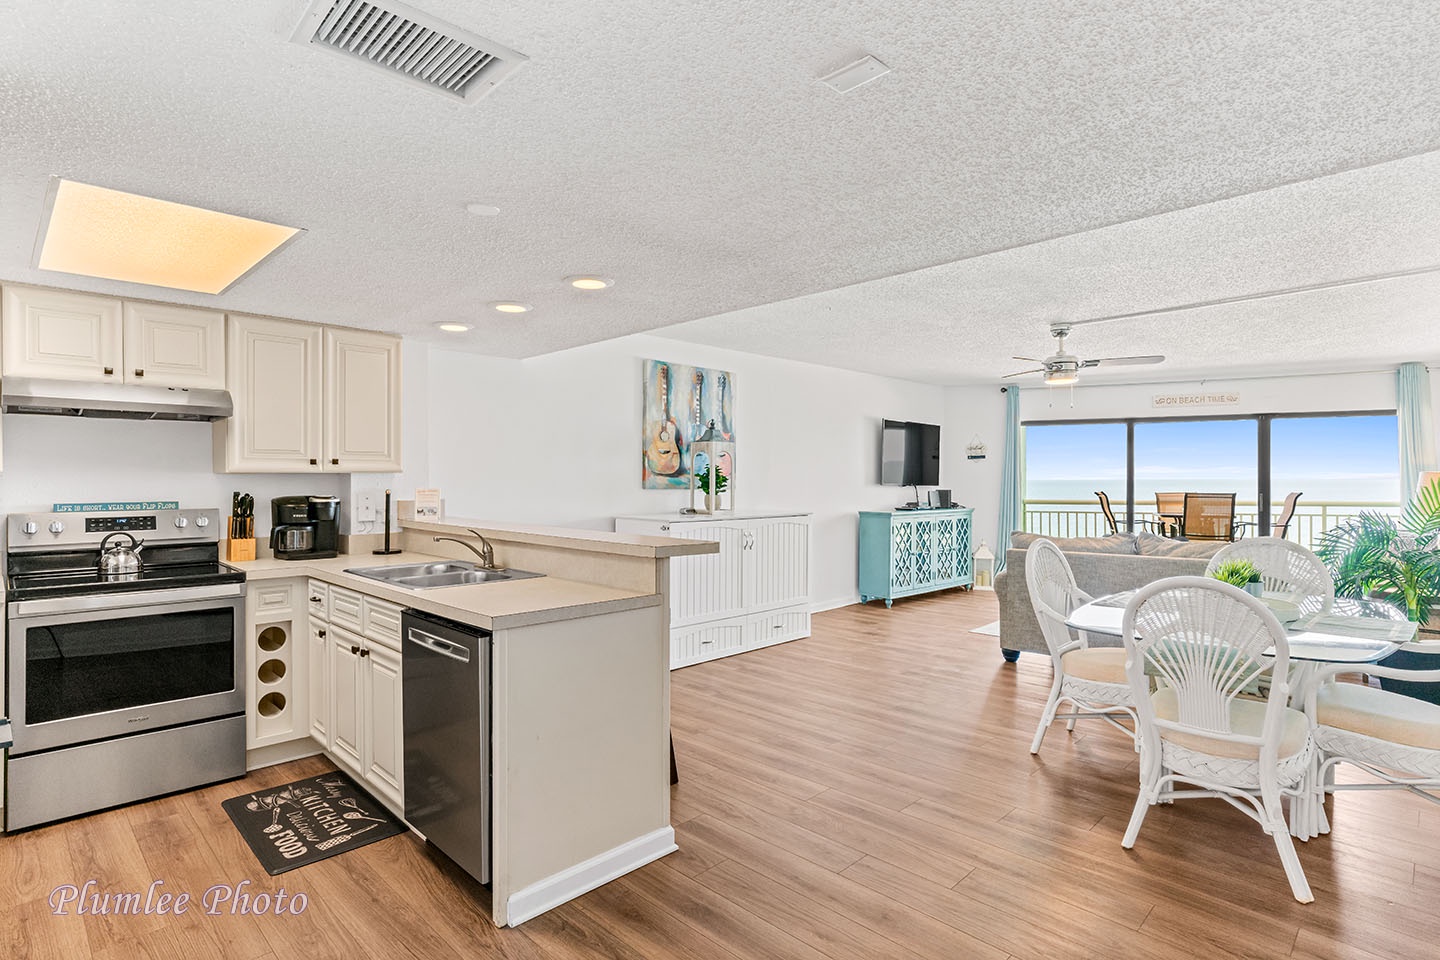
(1200, 398)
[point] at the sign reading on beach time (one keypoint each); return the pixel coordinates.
(1171, 401)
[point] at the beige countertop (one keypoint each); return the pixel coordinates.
(590, 541)
(494, 606)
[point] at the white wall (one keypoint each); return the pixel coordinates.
(69, 459)
(556, 440)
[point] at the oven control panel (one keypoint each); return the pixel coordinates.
(127, 524)
(50, 530)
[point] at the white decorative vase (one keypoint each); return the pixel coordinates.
(709, 503)
(1255, 588)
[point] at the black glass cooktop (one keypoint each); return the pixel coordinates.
(38, 576)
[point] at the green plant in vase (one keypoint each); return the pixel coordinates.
(1240, 573)
(1396, 560)
(702, 481)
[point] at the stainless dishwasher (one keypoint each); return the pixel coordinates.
(446, 671)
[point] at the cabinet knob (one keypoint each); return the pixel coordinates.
(664, 527)
(109, 371)
(316, 600)
(335, 461)
(139, 372)
(365, 652)
(313, 461)
(354, 649)
(322, 634)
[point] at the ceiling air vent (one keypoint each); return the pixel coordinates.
(407, 43)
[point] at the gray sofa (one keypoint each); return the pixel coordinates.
(1101, 565)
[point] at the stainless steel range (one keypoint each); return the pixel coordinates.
(124, 678)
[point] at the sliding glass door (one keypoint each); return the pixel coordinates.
(1065, 464)
(1340, 465)
(1202, 456)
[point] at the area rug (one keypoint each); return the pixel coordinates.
(308, 820)
(989, 630)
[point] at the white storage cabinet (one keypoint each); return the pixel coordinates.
(754, 593)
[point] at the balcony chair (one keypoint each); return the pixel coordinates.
(1281, 526)
(1206, 641)
(1287, 570)
(1208, 516)
(1160, 526)
(1091, 679)
(1390, 736)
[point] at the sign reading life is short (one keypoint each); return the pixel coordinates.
(1174, 401)
(131, 506)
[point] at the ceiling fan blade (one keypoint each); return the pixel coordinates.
(1121, 361)
(1022, 373)
(1029, 359)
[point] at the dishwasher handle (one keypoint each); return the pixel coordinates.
(439, 645)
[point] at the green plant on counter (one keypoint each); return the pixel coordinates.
(702, 481)
(1237, 572)
(1381, 557)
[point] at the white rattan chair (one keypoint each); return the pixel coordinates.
(1287, 571)
(1205, 641)
(1392, 737)
(1092, 679)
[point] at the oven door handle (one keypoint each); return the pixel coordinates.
(120, 601)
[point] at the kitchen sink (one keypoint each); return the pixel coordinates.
(441, 573)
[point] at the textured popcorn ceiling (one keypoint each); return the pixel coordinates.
(686, 150)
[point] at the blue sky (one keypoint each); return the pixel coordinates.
(1329, 458)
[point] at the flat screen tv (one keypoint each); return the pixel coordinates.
(909, 453)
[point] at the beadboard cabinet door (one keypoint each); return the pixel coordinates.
(347, 697)
(60, 335)
(172, 346)
(382, 743)
(362, 401)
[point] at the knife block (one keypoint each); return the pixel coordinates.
(237, 550)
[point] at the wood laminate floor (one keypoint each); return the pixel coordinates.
(865, 793)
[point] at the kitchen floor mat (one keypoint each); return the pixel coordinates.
(308, 820)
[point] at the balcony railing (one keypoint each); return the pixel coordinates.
(1082, 518)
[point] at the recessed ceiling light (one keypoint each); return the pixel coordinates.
(510, 306)
(482, 209)
(96, 232)
(452, 327)
(589, 282)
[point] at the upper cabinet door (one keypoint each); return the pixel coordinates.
(61, 335)
(169, 346)
(273, 369)
(362, 401)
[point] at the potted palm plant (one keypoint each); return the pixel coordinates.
(1395, 560)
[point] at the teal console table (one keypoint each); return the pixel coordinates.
(906, 552)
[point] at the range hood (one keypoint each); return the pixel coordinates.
(116, 401)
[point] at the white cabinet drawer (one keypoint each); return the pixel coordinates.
(382, 621)
(268, 599)
(345, 608)
(777, 626)
(317, 600)
(706, 642)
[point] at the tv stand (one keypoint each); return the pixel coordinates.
(915, 551)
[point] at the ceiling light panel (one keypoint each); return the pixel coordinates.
(511, 306)
(97, 232)
(860, 72)
(589, 282)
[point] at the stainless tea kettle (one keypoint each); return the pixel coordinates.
(120, 562)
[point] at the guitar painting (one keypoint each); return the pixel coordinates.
(662, 456)
(700, 395)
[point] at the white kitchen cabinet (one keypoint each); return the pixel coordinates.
(362, 401)
(356, 710)
(273, 370)
(277, 663)
(346, 695)
(754, 593)
(58, 334)
(382, 743)
(309, 398)
(62, 335)
(172, 346)
(319, 650)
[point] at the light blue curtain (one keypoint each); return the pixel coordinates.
(1417, 425)
(1009, 477)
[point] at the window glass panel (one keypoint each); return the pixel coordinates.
(1064, 465)
(1342, 465)
(1196, 456)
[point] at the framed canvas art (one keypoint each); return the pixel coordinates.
(679, 400)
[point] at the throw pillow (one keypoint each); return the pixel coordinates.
(1153, 545)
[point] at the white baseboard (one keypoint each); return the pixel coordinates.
(568, 884)
(281, 753)
(835, 604)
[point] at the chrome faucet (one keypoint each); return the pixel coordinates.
(486, 551)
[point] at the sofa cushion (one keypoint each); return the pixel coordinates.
(1116, 543)
(1153, 545)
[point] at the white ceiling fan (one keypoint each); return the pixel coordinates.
(1062, 368)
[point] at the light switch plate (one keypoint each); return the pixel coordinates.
(365, 509)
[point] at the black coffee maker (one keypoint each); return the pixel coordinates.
(305, 528)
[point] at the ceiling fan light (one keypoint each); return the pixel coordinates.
(1061, 377)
